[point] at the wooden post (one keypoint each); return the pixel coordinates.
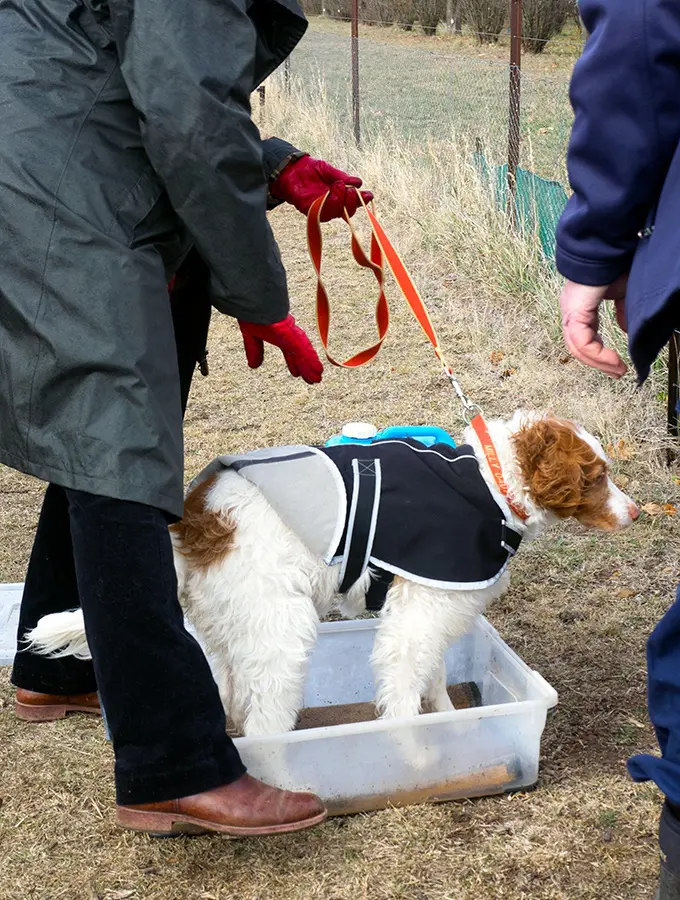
(356, 108)
(450, 15)
(286, 74)
(515, 102)
(458, 18)
(673, 392)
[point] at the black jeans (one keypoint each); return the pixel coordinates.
(113, 558)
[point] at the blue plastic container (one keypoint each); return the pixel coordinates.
(363, 433)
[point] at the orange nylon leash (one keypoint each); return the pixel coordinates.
(381, 249)
(323, 309)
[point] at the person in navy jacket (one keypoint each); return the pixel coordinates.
(619, 240)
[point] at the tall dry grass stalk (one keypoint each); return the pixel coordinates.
(501, 292)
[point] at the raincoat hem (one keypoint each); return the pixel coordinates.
(95, 484)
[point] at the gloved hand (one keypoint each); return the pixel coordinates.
(296, 347)
(306, 179)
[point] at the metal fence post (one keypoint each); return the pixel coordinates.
(356, 109)
(515, 102)
(673, 392)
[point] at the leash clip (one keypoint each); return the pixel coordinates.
(470, 409)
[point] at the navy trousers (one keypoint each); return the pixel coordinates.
(663, 690)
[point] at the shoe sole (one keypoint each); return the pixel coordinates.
(172, 825)
(29, 713)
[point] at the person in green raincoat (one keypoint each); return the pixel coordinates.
(129, 160)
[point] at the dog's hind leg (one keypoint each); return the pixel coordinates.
(254, 608)
(269, 680)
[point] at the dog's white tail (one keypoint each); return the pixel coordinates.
(60, 634)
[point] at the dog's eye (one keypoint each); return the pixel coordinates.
(598, 479)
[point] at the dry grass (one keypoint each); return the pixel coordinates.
(579, 611)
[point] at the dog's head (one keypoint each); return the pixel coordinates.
(565, 471)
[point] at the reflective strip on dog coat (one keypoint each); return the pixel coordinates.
(424, 513)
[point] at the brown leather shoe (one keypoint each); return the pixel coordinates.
(245, 808)
(32, 706)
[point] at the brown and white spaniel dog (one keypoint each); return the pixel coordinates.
(254, 592)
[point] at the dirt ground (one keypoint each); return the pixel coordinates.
(579, 611)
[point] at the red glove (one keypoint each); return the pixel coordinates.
(306, 179)
(296, 347)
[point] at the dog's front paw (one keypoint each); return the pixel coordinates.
(353, 603)
(351, 607)
(403, 707)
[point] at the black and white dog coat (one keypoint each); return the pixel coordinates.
(394, 505)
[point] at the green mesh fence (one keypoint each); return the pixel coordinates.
(538, 202)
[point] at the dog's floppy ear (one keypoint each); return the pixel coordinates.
(558, 467)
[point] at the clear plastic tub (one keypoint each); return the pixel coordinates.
(434, 757)
(10, 601)
(369, 765)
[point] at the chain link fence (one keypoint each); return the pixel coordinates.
(412, 93)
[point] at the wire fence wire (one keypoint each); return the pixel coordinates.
(421, 94)
(428, 96)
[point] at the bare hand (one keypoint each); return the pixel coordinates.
(580, 306)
